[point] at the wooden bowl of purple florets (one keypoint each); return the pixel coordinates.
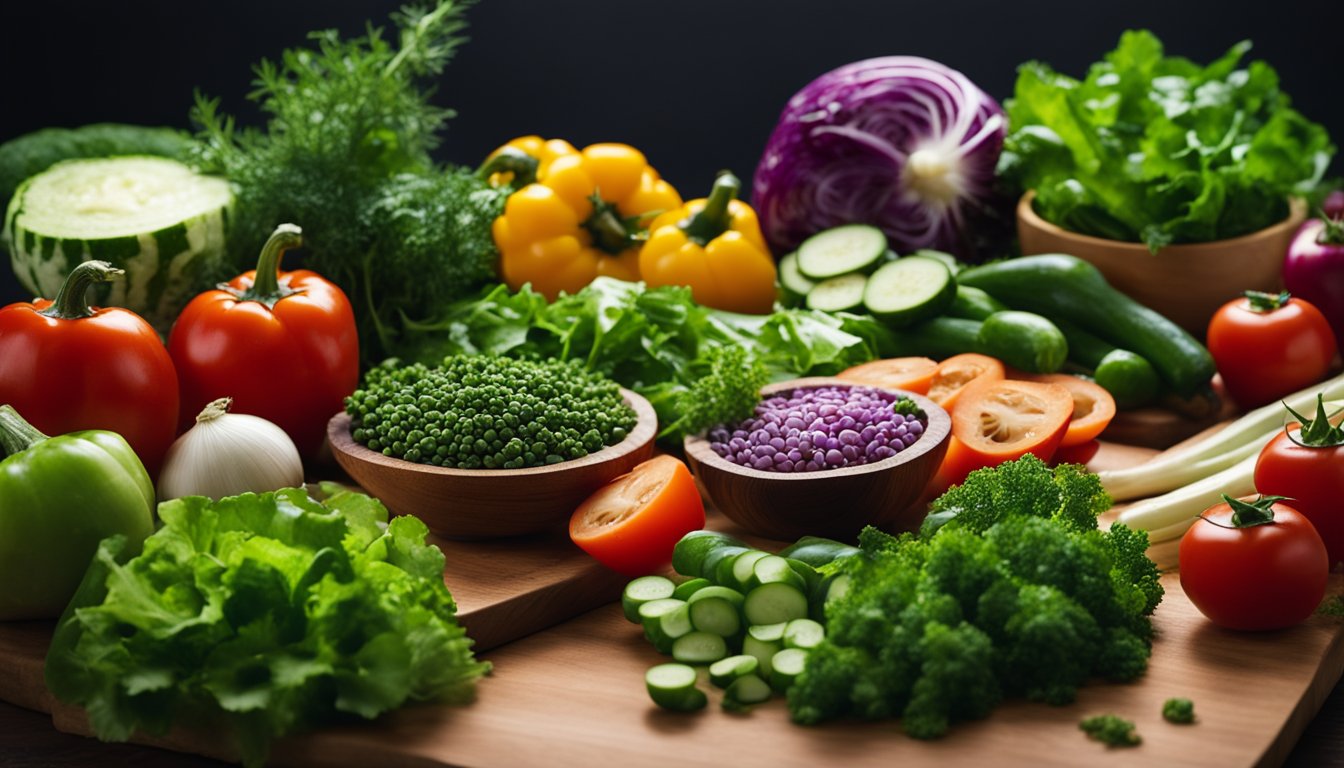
(822, 457)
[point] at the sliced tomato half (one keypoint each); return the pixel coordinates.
(632, 523)
(957, 371)
(1093, 406)
(912, 374)
(998, 421)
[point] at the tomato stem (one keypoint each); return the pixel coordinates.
(1246, 514)
(16, 434)
(1317, 432)
(1267, 302)
(71, 302)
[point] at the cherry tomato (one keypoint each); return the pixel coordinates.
(1257, 577)
(1093, 406)
(956, 372)
(998, 421)
(1313, 477)
(1268, 346)
(631, 524)
(912, 374)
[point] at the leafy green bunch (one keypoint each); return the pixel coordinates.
(266, 613)
(1157, 149)
(697, 366)
(345, 154)
(1009, 590)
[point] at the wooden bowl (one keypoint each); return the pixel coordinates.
(491, 503)
(1186, 283)
(836, 503)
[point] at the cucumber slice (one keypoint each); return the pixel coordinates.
(699, 648)
(155, 218)
(715, 615)
(909, 290)
(709, 566)
(737, 573)
(685, 589)
(690, 552)
(842, 250)
(785, 668)
(775, 570)
(794, 285)
(642, 590)
(803, 633)
(838, 294)
(651, 615)
(768, 633)
(774, 603)
(723, 672)
(946, 258)
(745, 691)
(672, 686)
(764, 650)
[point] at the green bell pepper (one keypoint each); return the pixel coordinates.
(59, 497)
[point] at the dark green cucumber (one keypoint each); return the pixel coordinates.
(939, 338)
(1024, 340)
(974, 304)
(817, 551)
(688, 556)
(1129, 378)
(1066, 287)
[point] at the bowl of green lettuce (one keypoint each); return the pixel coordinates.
(1163, 171)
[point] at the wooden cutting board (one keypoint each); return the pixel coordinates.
(574, 694)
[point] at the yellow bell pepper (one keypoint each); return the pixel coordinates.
(715, 246)
(523, 160)
(582, 218)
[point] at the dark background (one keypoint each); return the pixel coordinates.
(697, 84)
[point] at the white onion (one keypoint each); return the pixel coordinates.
(226, 454)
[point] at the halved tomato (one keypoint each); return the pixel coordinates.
(998, 421)
(957, 371)
(912, 374)
(632, 523)
(1093, 406)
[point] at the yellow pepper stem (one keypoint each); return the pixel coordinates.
(611, 233)
(713, 220)
(511, 160)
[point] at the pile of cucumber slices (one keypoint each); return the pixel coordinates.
(851, 269)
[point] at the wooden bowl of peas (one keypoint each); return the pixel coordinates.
(834, 498)
(491, 503)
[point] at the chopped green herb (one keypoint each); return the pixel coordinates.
(1179, 711)
(1111, 730)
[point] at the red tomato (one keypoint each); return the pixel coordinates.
(1313, 477)
(1257, 577)
(283, 347)
(66, 366)
(1266, 348)
(632, 524)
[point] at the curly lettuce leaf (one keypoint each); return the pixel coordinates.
(264, 614)
(1157, 149)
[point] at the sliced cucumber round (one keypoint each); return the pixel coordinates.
(842, 250)
(793, 285)
(838, 294)
(908, 290)
(699, 648)
(744, 692)
(723, 672)
(785, 667)
(643, 590)
(672, 686)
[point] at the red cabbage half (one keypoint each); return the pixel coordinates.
(899, 142)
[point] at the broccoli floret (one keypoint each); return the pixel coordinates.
(1111, 730)
(727, 390)
(1018, 593)
(1025, 487)
(1181, 711)
(487, 412)
(956, 682)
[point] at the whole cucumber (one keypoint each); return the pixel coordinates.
(1025, 341)
(1129, 378)
(974, 304)
(1066, 287)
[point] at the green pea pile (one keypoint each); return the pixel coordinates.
(476, 412)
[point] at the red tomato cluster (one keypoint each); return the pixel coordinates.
(283, 347)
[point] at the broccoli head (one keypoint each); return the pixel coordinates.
(1181, 711)
(1111, 730)
(956, 681)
